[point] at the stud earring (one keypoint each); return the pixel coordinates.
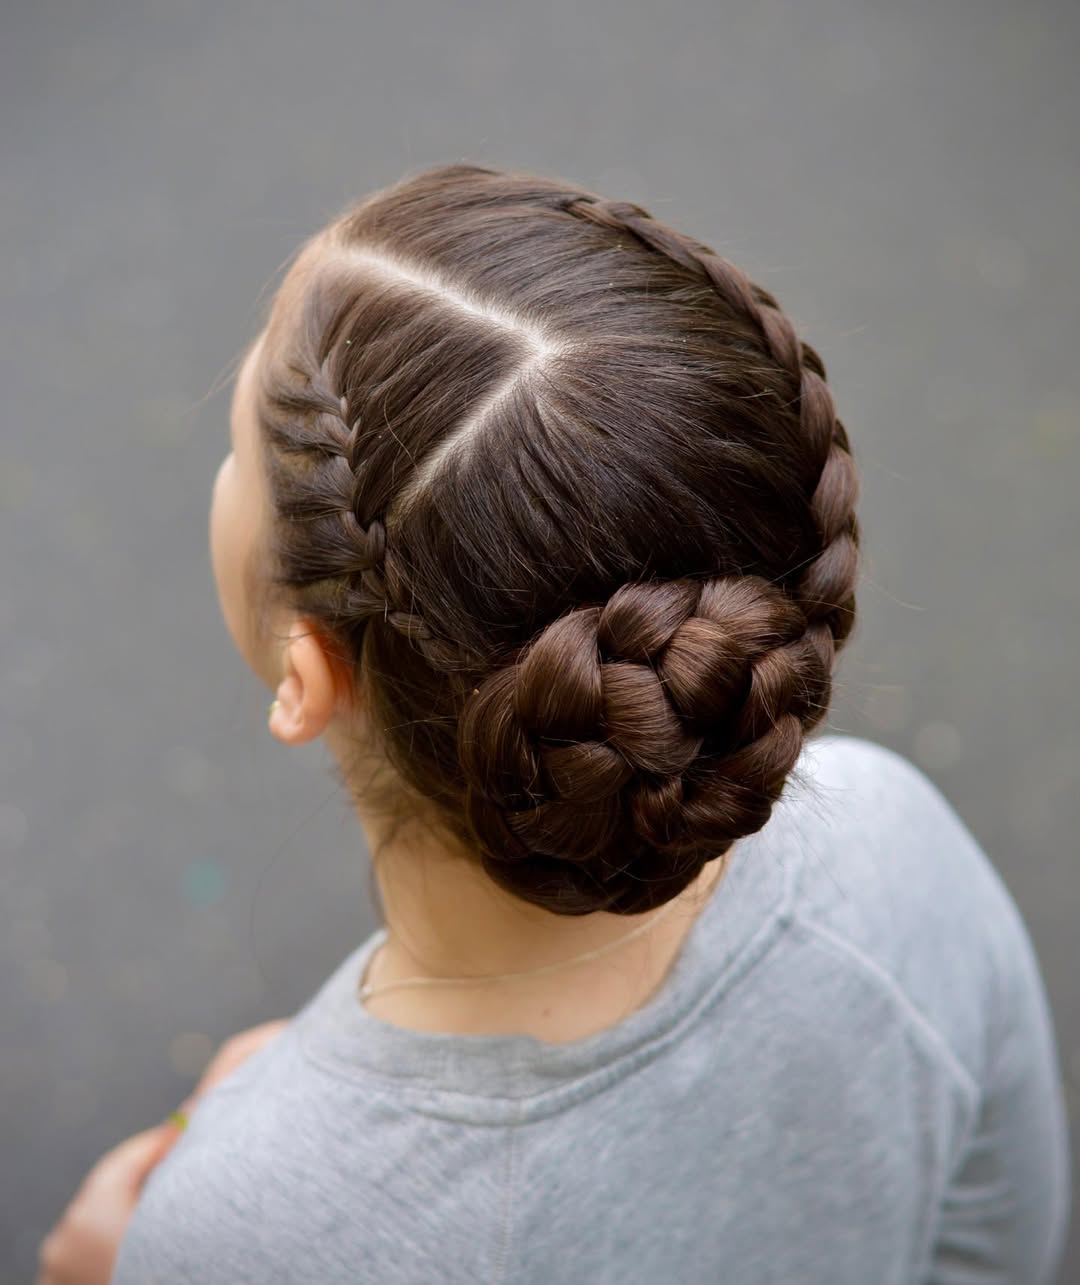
(270, 712)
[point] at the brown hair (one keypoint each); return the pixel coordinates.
(572, 498)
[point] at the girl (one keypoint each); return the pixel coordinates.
(539, 512)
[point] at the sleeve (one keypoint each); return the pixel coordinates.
(1004, 1215)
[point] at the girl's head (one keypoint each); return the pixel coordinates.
(554, 516)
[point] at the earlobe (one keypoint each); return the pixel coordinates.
(306, 694)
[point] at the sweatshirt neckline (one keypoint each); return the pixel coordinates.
(505, 1077)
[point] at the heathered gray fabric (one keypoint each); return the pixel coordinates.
(849, 1077)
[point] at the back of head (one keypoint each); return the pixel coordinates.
(572, 496)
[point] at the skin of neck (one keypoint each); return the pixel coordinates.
(446, 917)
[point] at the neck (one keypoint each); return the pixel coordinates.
(446, 918)
(603, 973)
(447, 921)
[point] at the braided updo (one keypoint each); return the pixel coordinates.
(566, 488)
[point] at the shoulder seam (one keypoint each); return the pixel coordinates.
(915, 1018)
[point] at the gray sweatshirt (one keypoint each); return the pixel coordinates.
(848, 1077)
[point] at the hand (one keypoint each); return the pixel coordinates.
(82, 1248)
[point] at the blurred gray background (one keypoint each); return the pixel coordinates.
(904, 178)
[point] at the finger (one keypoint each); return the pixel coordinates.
(130, 1162)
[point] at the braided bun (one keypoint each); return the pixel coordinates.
(633, 742)
(574, 496)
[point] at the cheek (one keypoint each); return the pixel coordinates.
(227, 553)
(218, 535)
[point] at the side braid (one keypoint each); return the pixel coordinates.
(321, 423)
(825, 589)
(355, 555)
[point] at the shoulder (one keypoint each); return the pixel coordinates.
(891, 881)
(234, 1168)
(880, 836)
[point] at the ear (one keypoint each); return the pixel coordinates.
(308, 693)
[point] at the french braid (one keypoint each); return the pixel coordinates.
(353, 554)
